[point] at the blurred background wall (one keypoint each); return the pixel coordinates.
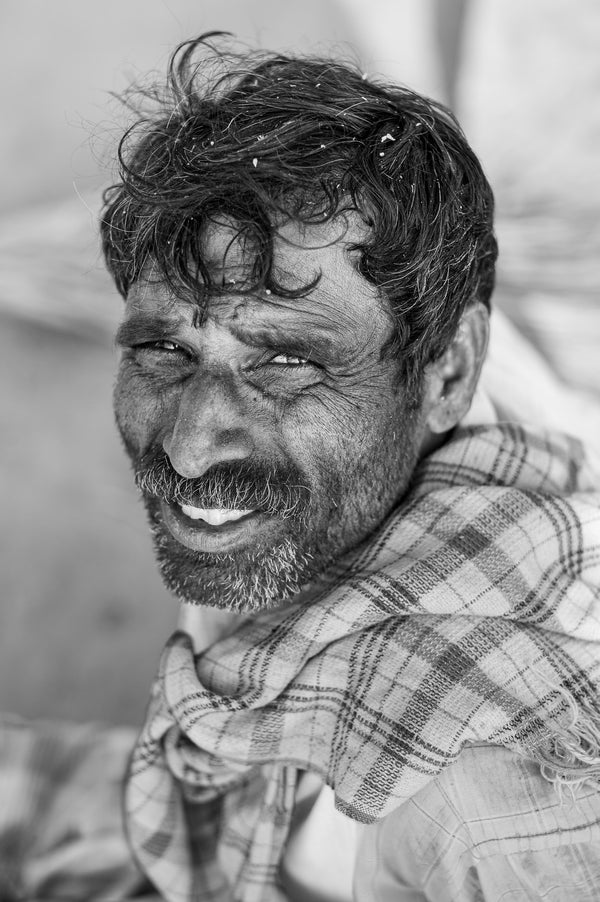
(83, 614)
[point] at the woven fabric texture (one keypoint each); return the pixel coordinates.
(472, 615)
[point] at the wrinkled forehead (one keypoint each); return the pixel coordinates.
(300, 251)
(342, 302)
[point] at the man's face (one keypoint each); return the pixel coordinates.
(274, 437)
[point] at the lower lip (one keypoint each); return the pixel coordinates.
(201, 536)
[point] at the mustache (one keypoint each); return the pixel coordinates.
(244, 485)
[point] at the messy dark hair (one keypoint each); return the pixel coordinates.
(259, 138)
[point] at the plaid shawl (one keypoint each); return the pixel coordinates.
(472, 615)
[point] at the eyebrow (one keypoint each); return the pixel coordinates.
(141, 328)
(276, 337)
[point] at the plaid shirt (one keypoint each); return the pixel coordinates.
(471, 616)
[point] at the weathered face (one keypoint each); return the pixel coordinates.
(273, 438)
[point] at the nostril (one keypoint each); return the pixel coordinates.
(193, 453)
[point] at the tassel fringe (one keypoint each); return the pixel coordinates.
(572, 758)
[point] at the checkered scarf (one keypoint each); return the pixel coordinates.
(472, 615)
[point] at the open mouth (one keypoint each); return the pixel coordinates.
(214, 516)
(213, 529)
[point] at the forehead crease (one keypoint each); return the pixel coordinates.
(303, 313)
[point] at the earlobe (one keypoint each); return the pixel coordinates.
(453, 377)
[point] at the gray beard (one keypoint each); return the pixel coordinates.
(242, 582)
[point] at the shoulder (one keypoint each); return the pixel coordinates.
(499, 802)
(492, 819)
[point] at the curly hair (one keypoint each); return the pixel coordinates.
(258, 138)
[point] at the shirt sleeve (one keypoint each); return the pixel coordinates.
(489, 829)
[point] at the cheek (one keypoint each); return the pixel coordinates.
(334, 438)
(360, 453)
(140, 411)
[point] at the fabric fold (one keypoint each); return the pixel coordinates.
(472, 615)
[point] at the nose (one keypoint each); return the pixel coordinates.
(210, 427)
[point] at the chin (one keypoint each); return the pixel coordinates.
(246, 581)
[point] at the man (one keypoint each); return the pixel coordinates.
(407, 590)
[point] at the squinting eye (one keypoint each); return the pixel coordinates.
(163, 345)
(289, 360)
(160, 351)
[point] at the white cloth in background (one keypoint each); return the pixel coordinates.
(529, 82)
(523, 387)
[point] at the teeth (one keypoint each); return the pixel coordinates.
(214, 516)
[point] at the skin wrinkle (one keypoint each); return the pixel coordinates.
(428, 197)
(377, 257)
(342, 425)
(145, 329)
(325, 317)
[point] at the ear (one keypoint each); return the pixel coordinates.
(452, 379)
